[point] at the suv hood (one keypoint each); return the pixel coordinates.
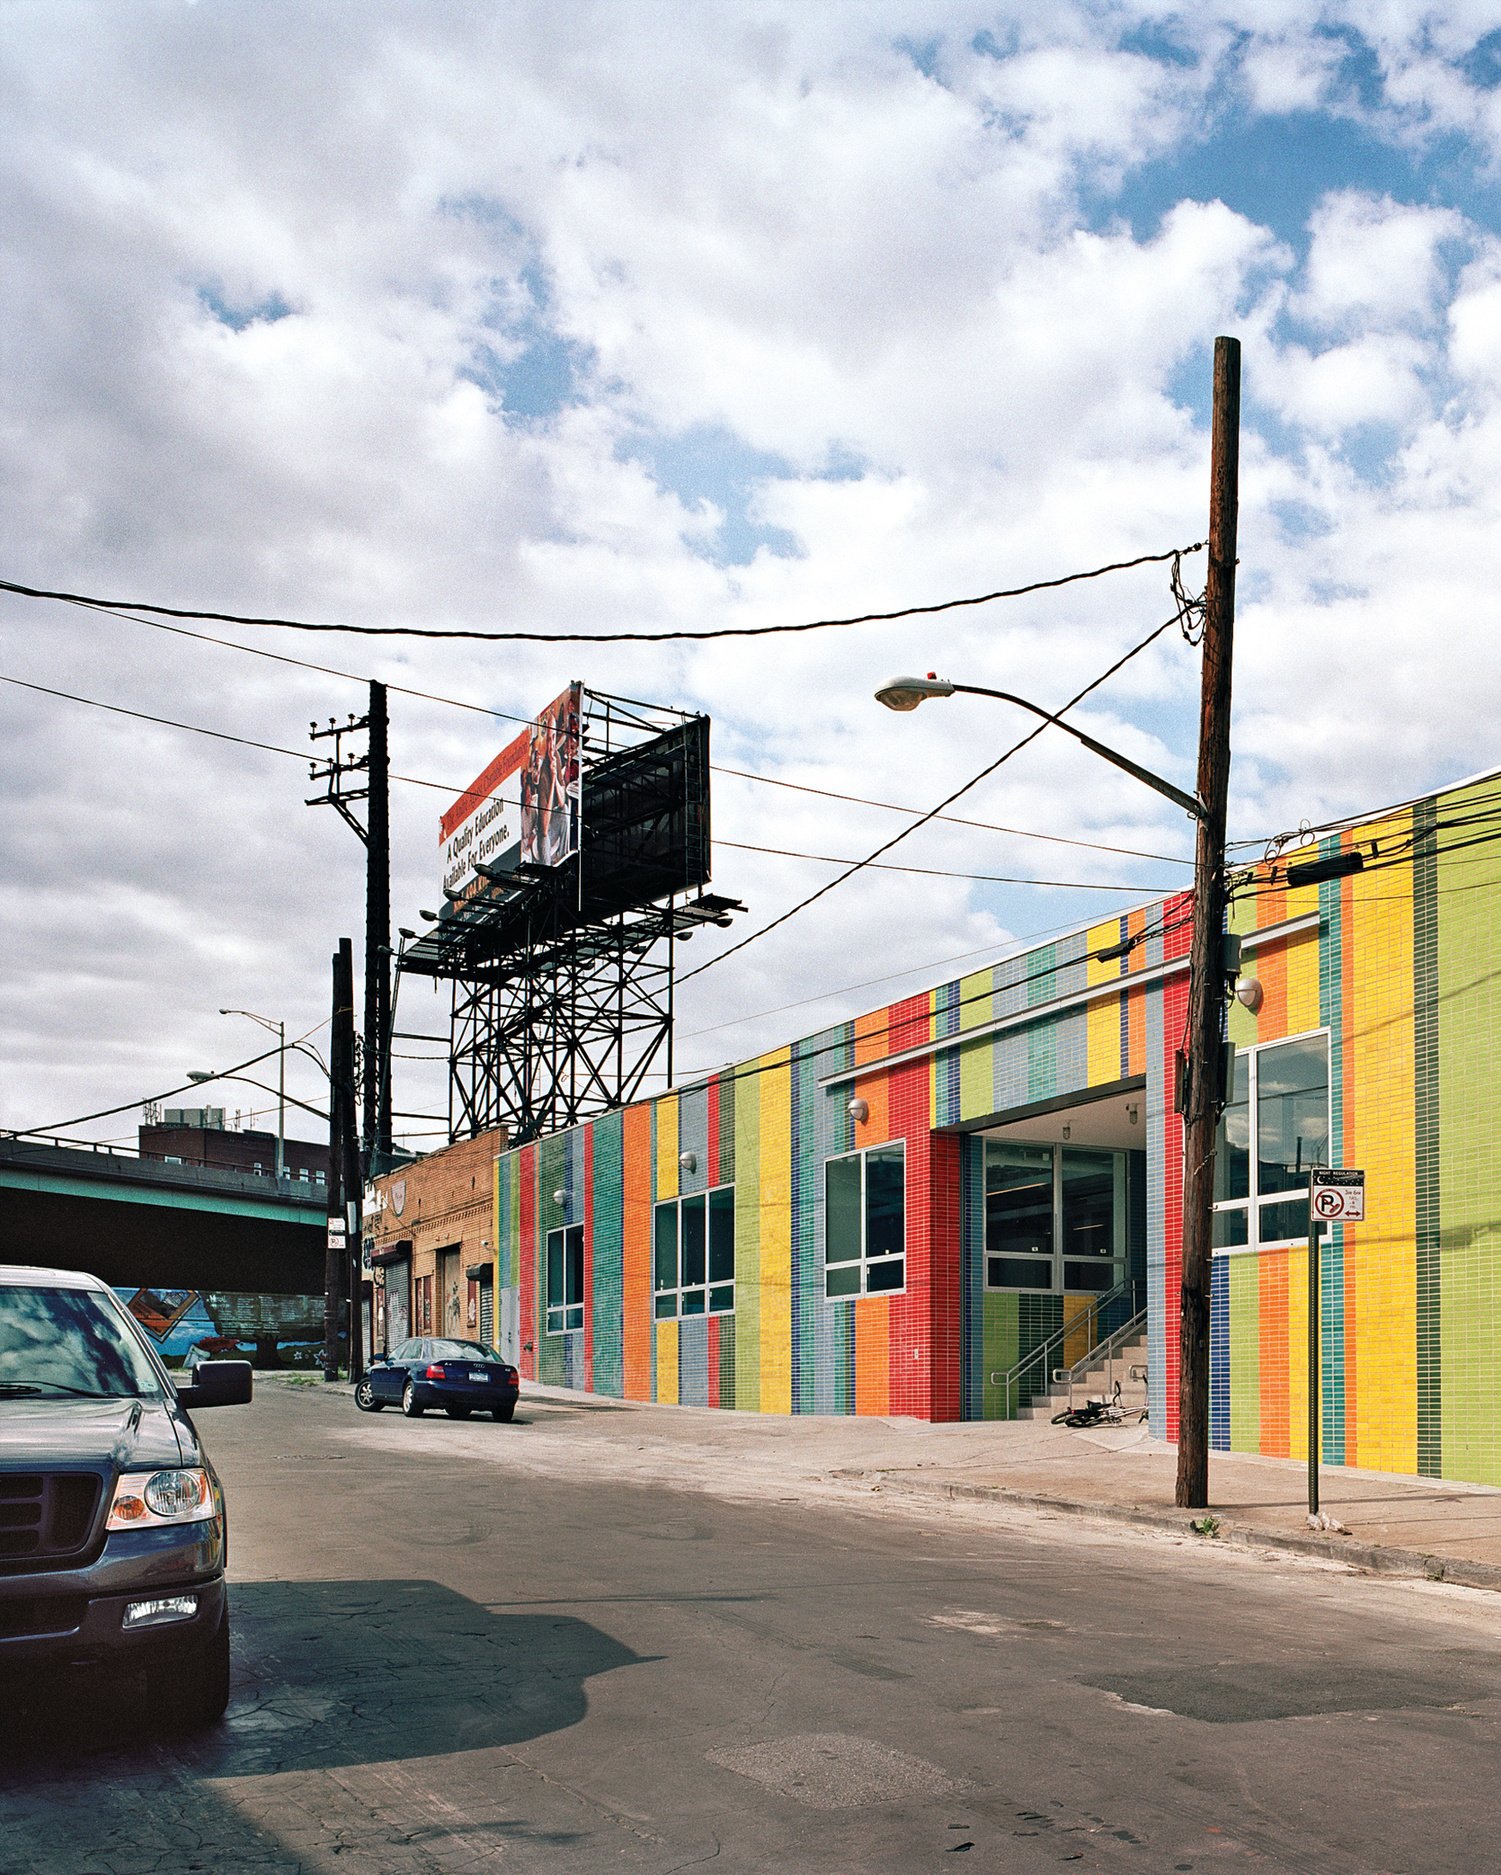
(125, 1435)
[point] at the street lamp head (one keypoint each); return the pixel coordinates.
(905, 693)
(430, 916)
(202, 1074)
(402, 931)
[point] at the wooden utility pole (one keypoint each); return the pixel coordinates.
(376, 1080)
(343, 1158)
(1204, 1082)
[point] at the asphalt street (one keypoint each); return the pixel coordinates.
(572, 1644)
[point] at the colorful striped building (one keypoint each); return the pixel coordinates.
(893, 1215)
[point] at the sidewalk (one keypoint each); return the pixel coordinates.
(1392, 1523)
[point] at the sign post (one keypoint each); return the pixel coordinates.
(1334, 1197)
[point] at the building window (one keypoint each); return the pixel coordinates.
(565, 1279)
(1275, 1129)
(1055, 1217)
(865, 1222)
(693, 1260)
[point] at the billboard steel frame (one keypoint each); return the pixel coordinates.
(563, 975)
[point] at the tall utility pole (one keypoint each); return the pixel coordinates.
(1204, 1082)
(340, 1126)
(339, 776)
(376, 1131)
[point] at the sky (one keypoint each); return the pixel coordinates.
(617, 316)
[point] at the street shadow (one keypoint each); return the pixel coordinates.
(327, 1674)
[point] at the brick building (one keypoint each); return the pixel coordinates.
(429, 1243)
(198, 1136)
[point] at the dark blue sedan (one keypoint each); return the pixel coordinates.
(462, 1377)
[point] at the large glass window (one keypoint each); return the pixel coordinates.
(565, 1279)
(1279, 1104)
(865, 1222)
(693, 1262)
(1055, 1217)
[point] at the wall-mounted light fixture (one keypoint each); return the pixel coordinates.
(859, 1111)
(1248, 993)
(688, 1161)
(560, 1196)
(1133, 1112)
(1068, 1131)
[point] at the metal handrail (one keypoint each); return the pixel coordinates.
(1109, 1348)
(1046, 1347)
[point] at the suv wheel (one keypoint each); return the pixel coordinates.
(410, 1404)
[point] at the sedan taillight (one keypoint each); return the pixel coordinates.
(436, 1372)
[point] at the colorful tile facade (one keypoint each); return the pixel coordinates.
(1398, 965)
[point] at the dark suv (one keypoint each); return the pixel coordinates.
(112, 1533)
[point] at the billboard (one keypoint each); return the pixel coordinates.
(646, 829)
(524, 806)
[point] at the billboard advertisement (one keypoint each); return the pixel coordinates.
(524, 806)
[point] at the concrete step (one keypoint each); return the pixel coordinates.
(1096, 1381)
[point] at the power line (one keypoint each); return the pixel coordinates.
(936, 872)
(129, 1106)
(528, 637)
(952, 820)
(1018, 947)
(740, 774)
(932, 814)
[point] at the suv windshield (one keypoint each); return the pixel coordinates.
(61, 1343)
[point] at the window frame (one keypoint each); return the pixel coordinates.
(1056, 1258)
(1256, 1201)
(667, 1298)
(566, 1306)
(865, 1263)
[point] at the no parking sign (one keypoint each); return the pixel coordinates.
(1336, 1197)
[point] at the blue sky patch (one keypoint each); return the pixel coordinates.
(237, 318)
(708, 463)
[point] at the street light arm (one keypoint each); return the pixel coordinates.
(1190, 803)
(203, 1080)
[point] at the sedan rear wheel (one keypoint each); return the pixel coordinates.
(506, 1413)
(410, 1404)
(364, 1397)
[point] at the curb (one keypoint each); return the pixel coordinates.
(1375, 1558)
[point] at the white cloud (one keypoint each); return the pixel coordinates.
(888, 282)
(1375, 264)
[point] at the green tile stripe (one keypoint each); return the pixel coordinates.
(607, 1238)
(1427, 1173)
(1244, 1273)
(1469, 1048)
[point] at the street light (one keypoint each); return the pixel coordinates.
(905, 693)
(279, 1029)
(202, 1075)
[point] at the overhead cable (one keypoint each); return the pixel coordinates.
(552, 638)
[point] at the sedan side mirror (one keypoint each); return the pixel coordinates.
(217, 1383)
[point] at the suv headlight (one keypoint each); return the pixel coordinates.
(146, 1499)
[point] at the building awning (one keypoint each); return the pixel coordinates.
(398, 1252)
(481, 1272)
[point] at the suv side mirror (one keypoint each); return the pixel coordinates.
(217, 1383)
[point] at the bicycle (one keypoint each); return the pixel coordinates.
(1101, 1411)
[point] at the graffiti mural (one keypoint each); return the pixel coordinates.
(189, 1325)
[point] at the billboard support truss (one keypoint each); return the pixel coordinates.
(563, 972)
